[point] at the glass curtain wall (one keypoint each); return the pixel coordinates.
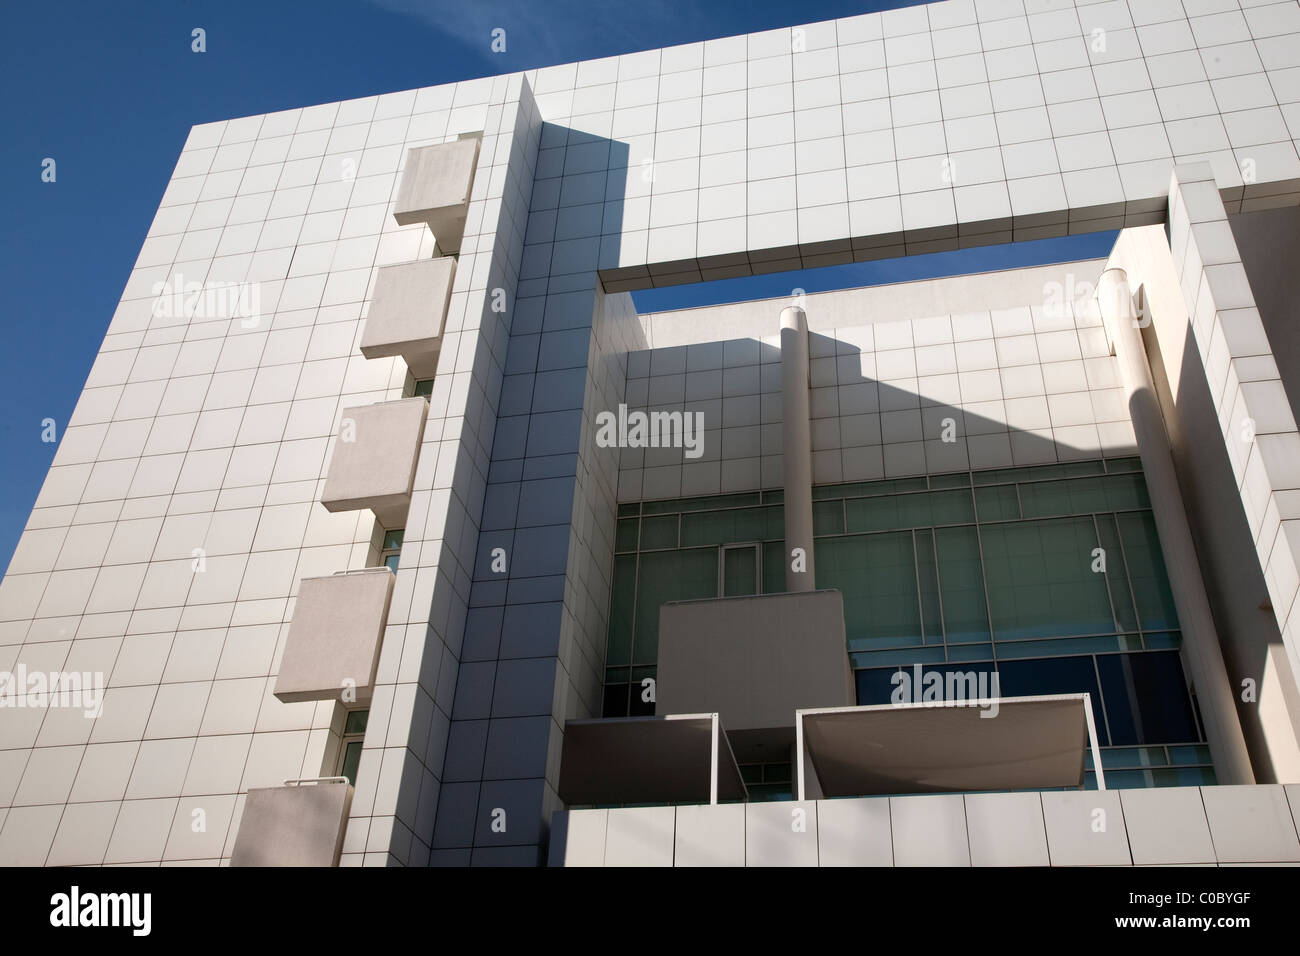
(1051, 576)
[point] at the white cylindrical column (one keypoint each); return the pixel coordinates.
(796, 452)
(1201, 651)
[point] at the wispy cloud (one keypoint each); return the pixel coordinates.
(561, 31)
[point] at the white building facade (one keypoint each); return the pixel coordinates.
(378, 337)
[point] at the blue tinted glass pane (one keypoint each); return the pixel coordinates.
(871, 514)
(828, 516)
(1146, 699)
(960, 479)
(622, 611)
(355, 722)
(947, 682)
(924, 509)
(1185, 777)
(860, 489)
(1120, 758)
(351, 760)
(1129, 779)
(928, 580)
(659, 532)
(961, 585)
(999, 475)
(1123, 464)
(1060, 645)
(1071, 496)
(1053, 675)
(877, 576)
(665, 576)
(1163, 641)
(906, 655)
(949, 507)
(874, 686)
(724, 527)
(1195, 753)
(997, 502)
(1124, 492)
(709, 503)
(1121, 597)
(1094, 467)
(1040, 579)
(1146, 569)
(739, 571)
(625, 535)
(391, 562)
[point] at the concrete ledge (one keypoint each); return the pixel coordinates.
(753, 660)
(374, 458)
(408, 311)
(435, 189)
(335, 636)
(293, 825)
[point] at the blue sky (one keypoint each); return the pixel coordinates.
(109, 90)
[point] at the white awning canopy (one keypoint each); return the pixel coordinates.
(1004, 743)
(681, 758)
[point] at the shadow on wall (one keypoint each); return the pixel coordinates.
(1239, 600)
(526, 662)
(888, 430)
(866, 429)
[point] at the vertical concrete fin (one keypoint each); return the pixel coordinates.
(1201, 651)
(796, 449)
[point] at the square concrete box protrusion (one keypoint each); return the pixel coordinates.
(408, 311)
(374, 458)
(299, 825)
(335, 636)
(435, 189)
(755, 661)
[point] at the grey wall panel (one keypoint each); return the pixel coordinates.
(781, 834)
(1086, 828)
(1006, 829)
(1251, 824)
(929, 830)
(1167, 825)
(640, 836)
(854, 832)
(710, 835)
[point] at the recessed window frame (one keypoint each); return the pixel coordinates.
(351, 742)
